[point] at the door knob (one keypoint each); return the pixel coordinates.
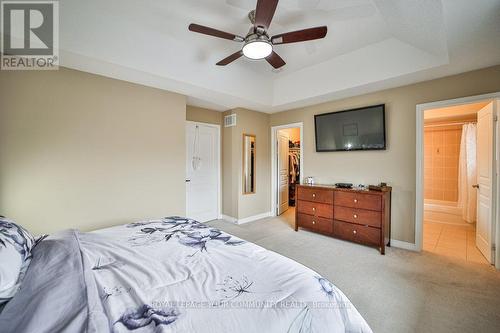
(475, 186)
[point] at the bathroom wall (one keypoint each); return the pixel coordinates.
(441, 156)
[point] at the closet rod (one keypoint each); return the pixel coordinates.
(451, 124)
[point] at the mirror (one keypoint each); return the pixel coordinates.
(249, 154)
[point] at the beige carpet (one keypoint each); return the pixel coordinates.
(402, 291)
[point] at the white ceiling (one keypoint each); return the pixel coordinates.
(371, 45)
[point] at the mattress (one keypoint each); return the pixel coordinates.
(172, 275)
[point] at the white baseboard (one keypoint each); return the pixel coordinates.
(254, 218)
(403, 245)
(229, 218)
(246, 219)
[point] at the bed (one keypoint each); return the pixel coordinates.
(171, 275)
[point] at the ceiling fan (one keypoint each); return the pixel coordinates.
(257, 44)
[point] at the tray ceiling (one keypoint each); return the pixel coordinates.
(371, 45)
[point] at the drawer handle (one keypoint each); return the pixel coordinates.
(314, 195)
(355, 216)
(314, 209)
(354, 232)
(355, 200)
(314, 222)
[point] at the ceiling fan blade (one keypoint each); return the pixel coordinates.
(275, 60)
(230, 59)
(264, 12)
(300, 35)
(214, 32)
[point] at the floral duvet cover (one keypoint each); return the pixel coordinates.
(171, 275)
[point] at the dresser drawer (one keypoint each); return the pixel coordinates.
(356, 233)
(315, 195)
(358, 200)
(316, 209)
(358, 216)
(315, 223)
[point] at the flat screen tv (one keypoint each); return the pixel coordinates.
(356, 129)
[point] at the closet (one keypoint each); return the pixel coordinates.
(294, 170)
(288, 167)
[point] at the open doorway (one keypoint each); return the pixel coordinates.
(457, 180)
(450, 177)
(287, 168)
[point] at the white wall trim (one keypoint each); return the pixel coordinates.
(274, 160)
(246, 219)
(403, 245)
(229, 218)
(219, 165)
(254, 218)
(419, 204)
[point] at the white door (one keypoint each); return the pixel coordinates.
(283, 172)
(202, 171)
(485, 169)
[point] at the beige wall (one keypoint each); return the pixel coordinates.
(202, 115)
(87, 151)
(396, 165)
(230, 171)
(83, 151)
(235, 204)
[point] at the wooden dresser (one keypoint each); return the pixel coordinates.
(359, 216)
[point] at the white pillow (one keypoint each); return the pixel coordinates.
(10, 270)
(16, 244)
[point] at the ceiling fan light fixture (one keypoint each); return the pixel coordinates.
(257, 49)
(257, 43)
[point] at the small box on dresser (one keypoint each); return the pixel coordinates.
(355, 215)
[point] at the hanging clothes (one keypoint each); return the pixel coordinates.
(294, 166)
(294, 173)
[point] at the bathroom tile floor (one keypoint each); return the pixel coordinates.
(452, 241)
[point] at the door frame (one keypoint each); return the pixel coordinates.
(219, 164)
(419, 194)
(274, 161)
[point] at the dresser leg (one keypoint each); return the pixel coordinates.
(382, 249)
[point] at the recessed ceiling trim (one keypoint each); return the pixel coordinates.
(371, 45)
